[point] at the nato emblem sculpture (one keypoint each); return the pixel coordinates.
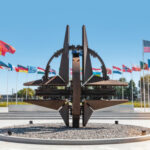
(84, 93)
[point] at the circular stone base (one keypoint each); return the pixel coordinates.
(59, 131)
(93, 133)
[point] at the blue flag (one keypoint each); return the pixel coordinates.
(118, 72)
(32, 69)
(10, 67)
(52, 71)
(3, 64)
(148, 63)
(77, 52)
(97, 73)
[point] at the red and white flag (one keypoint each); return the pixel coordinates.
(117, 68)
(135, 68)
(146, 46)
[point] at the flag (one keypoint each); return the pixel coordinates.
(126, 69)
(10, 67)
(74, 52)
(109, 71)
(22, 69)
(1, 67)
(3, 64)
(117, 68)
(97, 74)
(52, 71)
(117, 72)
(148, 63)
(146, 45)
(40, 70)
(96, 71)
(4, 47)
(2, 52)
(16, 69)
(135, 68)
(143, 65)
(77, 52)
(32, 69)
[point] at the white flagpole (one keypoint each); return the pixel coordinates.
(36, 75)
(112, 73)
(143, 79)
(122, 88)
(148, 88)
(112, 79)
(0, 101)
(16, 88)
(132, 87)
(27, 89)
(141, 90)
(7, 88)
(37, 79)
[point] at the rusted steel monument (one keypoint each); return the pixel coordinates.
(83, 94)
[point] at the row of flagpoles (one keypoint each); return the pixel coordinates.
(28, 69)
(146, 49)
(4, 48)
(20, 68)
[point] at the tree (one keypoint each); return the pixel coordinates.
(146, 85)
(30, 92)
(131, 85)
(119, 90)
(127, 90)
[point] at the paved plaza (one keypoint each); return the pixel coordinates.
(130, 146)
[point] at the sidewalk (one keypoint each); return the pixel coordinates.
(129, 146)
(3, 109)
(141, 110)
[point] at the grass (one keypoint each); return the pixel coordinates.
(136, 104)
(4, 104)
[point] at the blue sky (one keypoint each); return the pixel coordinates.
(36, 29)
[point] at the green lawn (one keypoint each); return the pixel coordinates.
(4, 104)
(136, 104)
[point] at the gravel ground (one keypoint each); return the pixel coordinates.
(59, 131)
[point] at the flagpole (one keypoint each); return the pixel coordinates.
(148, 89)
(16, 88)
(141, 89)
(112, 73)
(132, 87)
(122, 88)
(36, 75)
(112, 79)
(7, 88)
(1, 101)
(143, 80)
(27, 89)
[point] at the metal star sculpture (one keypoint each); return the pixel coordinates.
(83, 94)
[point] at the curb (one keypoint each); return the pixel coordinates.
(74, 141)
